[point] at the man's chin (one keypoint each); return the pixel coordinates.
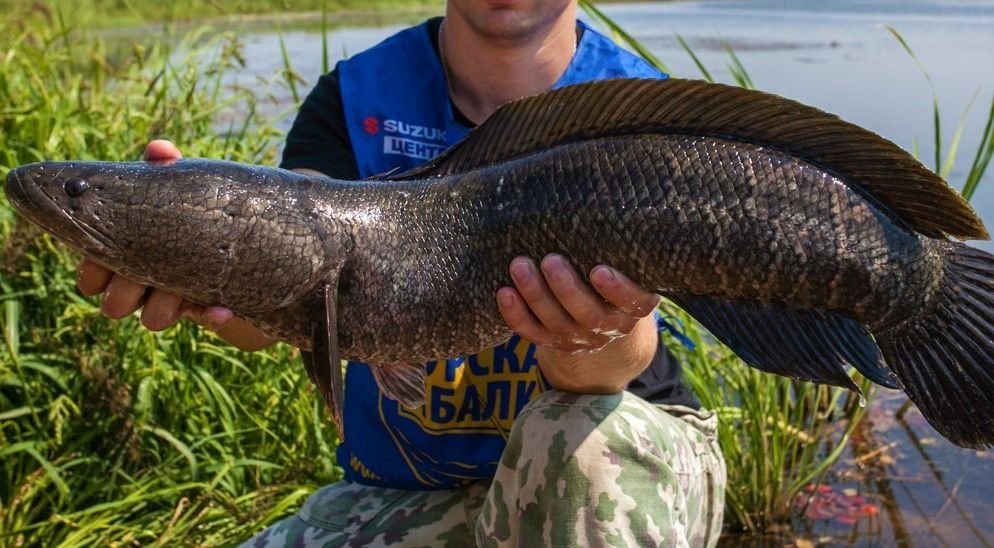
(511, 20)
(504, 4)
(506, 25)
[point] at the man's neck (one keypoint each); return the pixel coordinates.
(484, 73)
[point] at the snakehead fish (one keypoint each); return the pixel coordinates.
(803, 242)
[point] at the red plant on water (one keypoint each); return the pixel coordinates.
(823, 502)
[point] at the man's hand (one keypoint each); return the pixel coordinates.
(162, 309)
(590, 340)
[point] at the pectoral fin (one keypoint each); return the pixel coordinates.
(401, 381)
(323, 363)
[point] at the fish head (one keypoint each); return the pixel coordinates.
(59, 198)
(213, 232)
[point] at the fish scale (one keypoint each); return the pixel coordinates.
(806, 244)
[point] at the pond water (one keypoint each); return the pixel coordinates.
(902, 483)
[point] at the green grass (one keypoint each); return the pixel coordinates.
(943, 164)
(111, 434)
(777, 435)
(110, 13)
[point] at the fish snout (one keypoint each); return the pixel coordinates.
(45, 186)
(59, 197)
(28, 190)
(14, 187)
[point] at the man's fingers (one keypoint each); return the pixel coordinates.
(243, 335)
(161, 150)
(530, 283)
(122, 297)
(211, 317)
(519, 318)
(91, 278)
(222, 321)
(161, 310)
(586, 307)
(623, 293)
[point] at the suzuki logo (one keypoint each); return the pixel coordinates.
(371, 125)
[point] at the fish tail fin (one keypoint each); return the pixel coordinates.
(944, 358)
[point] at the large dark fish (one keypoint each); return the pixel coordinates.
(803, 242)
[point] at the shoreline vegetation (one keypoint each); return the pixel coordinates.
(110, 434)
(99, 14)
(103, 14)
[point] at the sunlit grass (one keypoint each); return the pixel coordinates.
(106, 13)
(943, 164)
(777, 435)
(110, 433)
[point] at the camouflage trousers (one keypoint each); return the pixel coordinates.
(578, 470)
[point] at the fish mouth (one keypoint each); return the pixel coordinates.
(14, 189)
(31, 201)
(22, 196)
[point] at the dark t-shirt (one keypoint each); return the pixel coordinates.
(319, 140)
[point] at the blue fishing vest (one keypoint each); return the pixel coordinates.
(398, 115)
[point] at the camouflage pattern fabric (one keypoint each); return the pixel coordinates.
(578, 470)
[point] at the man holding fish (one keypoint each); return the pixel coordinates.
(536, 442)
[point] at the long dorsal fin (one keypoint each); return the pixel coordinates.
(881, 169)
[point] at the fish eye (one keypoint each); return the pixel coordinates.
(76, 187)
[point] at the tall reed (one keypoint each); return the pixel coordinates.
(110, 433)
(107, 13)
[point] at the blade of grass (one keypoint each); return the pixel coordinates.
(982, 159)
(325, 62)
(290, 78)
(179, 445)
(950, 159)
(738, 70)
(31, 448)
(697, 61)
(936, 115)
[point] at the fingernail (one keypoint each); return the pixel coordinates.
(155, 323)
(554, 264)
(505, 298)
(602, 275)
(522, 269)
(217, 316)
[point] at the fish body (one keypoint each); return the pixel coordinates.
(424, 259)
(804, 243)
